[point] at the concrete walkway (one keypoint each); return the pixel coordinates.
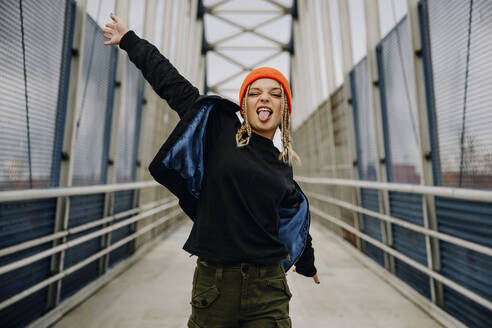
(156, 292)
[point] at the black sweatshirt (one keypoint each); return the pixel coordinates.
(237, 216)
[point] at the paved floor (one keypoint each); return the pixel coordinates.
(156, 291)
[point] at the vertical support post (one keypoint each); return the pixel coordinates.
(179, 48)
(346, 37)
(373, 37)
(297, 83)
(308, 85)
(198, 68)
(430, 221)
(163, 114)
(305, 52)
(199, 64)
(318, 101)
(167, 28)
(121, 10)
(328, 45)
(331, 161)
(330, 80)
(303, 67)
(65, 178)
(148, 109)
(190, 59)
(312, 30)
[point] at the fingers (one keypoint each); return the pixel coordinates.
(315, 277)
(115, 18)
(107, 33)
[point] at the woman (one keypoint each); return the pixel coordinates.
(251, 219)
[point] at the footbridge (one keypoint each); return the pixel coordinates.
(392, 109)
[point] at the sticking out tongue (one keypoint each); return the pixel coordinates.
(264, 115)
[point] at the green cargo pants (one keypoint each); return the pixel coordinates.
(243, 295)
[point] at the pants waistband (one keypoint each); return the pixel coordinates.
(246, 268)
(215, 264)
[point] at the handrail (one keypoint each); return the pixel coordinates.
(437, 276)
(74, 242)
(44, 239)
(410, 226)
(461, 193)
(75, 267)
(16, 195)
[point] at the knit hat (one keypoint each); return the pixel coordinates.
(266, 72)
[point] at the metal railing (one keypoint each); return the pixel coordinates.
(458, 193)
(136, 214)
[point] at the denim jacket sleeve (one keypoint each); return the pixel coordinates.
(164, 78)
(305, 264)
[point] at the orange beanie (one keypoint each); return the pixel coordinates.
(266, 72)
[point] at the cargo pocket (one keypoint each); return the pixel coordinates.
(205, 298)
(284, 323)
(195, 274)
(280, 284)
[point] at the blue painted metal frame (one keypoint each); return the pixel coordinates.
(88, 208)
(23, 221)
(123, 201)
(429, 88)
(369, 197)
(109, 116)
(35, 218)
(372, 225)
(469, 220)
(83, 209)
(384, 107)
(465, 219)
(404, 206)
(139, 124)
(356, 121)
(63, 92)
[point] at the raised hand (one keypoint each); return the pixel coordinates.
(115, 31)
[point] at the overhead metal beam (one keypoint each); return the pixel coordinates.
(249, 68)
(278, 5)
(250, 30)
(215, 5)
(217, 46)
(244, 29)
(231, 60)
(245, 11)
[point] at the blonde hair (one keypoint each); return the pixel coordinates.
(287, 153)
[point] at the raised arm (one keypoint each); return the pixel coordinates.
(164, 78)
